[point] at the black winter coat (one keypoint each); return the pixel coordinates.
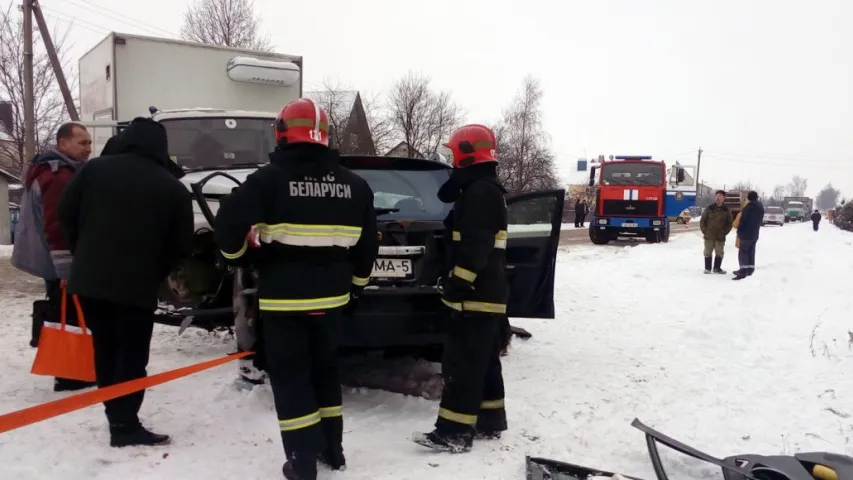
(750, 221)
(128, 219)
(316, 224)
(816, 217)
(478, 248)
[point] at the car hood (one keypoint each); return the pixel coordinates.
(217, 185)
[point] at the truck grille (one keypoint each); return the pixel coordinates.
(631, 208)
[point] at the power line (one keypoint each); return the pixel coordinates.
(119, 17)
(72, 21)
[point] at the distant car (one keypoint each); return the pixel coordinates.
(773, 216)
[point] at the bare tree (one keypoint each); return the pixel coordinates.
(526, 160)
(798, 186)
(49, 111)
(420, 116)
(779, 192)
(338, 100)
(827, 198)
(380, 122)
(230, 23)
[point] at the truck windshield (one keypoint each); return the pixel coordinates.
(219, 142)
(619, 173)
(406, 193)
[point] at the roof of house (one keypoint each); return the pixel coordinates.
(9, 176)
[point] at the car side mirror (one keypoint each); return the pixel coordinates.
(592, 176)
(680, 175)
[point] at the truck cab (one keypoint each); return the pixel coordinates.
(635, 197)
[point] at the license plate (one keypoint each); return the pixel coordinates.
(392, 267)
(629, 224)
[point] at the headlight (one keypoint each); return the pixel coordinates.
(602, 221)
(656, 222)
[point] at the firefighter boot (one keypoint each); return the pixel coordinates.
(451, 442)
(718, 262)
(707, 265)
(300, 466)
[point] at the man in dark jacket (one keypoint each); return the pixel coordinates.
(314, 225)
(581, 210)
(476, 291)
(715, 224)
(40, 247)
(747, 231)
(816, 219)
(129, 221)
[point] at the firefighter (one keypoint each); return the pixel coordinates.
(315, 227)
(475, 291)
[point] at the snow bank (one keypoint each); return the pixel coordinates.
(761, 365)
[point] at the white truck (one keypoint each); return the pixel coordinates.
(218, 105)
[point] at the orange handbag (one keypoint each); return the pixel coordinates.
(66, 351)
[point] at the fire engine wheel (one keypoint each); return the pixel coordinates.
(597, 237)
(665, 235)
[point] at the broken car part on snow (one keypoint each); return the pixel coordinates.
(800, 466)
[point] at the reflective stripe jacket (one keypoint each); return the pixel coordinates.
(316, 226)
(478, 248)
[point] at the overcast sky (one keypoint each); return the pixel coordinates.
(763, 86)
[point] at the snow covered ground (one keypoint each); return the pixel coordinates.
(759, 366)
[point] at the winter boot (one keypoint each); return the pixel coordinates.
(300, 466)
(487, 434)
(718, 262)
(445, 442)
(707, 265)
(741, 274)
(333, 459)
(136, 435)
(70, 385)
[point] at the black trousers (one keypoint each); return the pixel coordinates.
(302, 364)
(473, 395)
(746, 255)
(122, 338)
(579, 220)
(815, 225)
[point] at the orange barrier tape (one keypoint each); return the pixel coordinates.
(38, 413)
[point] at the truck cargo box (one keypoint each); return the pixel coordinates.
(124, 75)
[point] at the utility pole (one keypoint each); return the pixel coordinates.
(29, 102)
(54, 60)
(698, 163)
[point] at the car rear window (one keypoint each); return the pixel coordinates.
(773, 210)
(404, 193)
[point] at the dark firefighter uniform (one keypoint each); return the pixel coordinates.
(475, 291)
(315, 225)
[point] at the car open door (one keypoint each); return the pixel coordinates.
(534, 221)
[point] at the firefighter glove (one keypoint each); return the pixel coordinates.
(456, 289)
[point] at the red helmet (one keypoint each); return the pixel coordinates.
(302, 121)
(472, 144)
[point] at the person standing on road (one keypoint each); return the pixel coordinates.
(581, 211)
(476, 292)
(129, 222)
(316, 231)
(715, 224)
(816, 219)
(747, 234)
(40, 248)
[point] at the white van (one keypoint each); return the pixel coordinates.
(773, 216)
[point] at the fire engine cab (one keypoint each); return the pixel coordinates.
(637, 197)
